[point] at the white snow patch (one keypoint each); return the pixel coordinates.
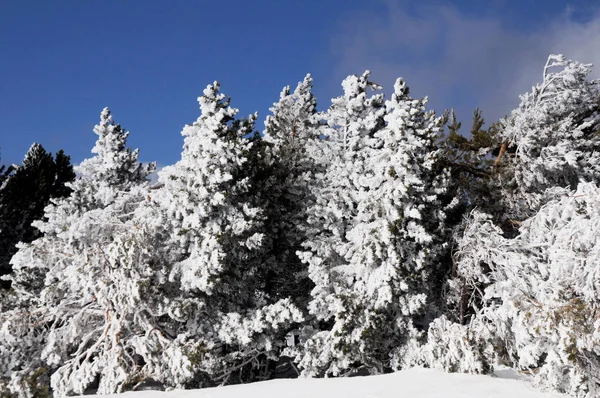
(412, 383)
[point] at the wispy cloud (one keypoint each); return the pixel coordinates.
(459, 60)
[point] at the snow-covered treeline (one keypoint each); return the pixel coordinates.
(366, 238)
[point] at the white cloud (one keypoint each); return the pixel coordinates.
(459, 60)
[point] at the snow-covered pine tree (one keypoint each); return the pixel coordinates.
(215, 229)
(554, 136)
(352, 121)
(291, 133)
(377, 258)
(220, 320)
(73, 287)
(115, 166)
(474, 183)
(538, 300)
(114, 169)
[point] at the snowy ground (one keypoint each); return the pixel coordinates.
(413, 383)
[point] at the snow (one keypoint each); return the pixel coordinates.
(412, 383)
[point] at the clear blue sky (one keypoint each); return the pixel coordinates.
(61, 62)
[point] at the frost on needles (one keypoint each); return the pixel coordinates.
(377, 231)
(533, 293)
(554, 133)
(70, 285)
(351, 240)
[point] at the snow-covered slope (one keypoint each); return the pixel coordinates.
(413, 383)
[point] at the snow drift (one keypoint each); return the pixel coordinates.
(413, 383)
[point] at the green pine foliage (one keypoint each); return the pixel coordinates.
(472, 159)
(25, 193)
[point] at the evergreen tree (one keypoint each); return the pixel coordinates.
(71, 284)
(549, 141)
(539, 295)
(510, 170)
(64, 174)
(379, 231)
(214, 230)
(115, 165)
(291, 131)
(221, 321)
(24, 196)
(554, 137)
(472, 161)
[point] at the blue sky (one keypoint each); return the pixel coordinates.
(62, 62)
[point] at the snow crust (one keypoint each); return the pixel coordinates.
(412, 383)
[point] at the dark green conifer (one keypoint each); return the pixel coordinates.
(25, 193)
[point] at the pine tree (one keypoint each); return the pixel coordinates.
(352, 120)
(24, 196)
(539, 296)
(554, 137)
(214, 231)
(74, 286)
(378, 261)
(291, 131)
(221, 320)
(115, 165)
(511, 169)
(470, 160)
(64, 173)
